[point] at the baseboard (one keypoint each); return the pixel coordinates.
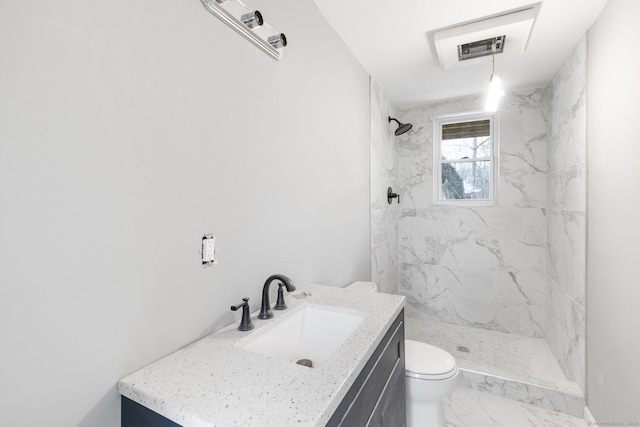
(588, 417)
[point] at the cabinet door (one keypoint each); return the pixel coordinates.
(394, 411)
(390, 409)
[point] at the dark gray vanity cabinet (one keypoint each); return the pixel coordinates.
(377, 397)
(133, 414)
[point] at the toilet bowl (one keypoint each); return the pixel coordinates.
(430, 373)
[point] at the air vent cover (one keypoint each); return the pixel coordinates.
(480, 48)
(470, 43)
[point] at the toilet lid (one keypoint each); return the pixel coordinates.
(426, 361)
(363, 286)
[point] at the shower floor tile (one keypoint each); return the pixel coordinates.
(511, 356)
(471, 408)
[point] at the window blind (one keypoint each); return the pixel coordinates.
(476, 129)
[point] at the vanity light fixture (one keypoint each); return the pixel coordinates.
(252, 19)
(278, 41)
(495, 84)
(249, 24)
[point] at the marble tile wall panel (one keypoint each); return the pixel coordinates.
(566, 217)
(383, 147)
(523, 145)
(466, 407)
(384, 242)
(384, 217)
(384, 227)
(564, 331)
(567, 273)
(388, 282)
(567, 146)
(566, 231)
(567, 188)
(483, 266)
(532, 394)
(415, 178)
(477, 222)
(523, 190)
(568, 88)
(485, 300)
(473, 255)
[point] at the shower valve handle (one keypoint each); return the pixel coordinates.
(391, 195)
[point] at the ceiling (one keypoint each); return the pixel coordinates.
(393, 40)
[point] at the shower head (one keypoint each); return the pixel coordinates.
(402, 127)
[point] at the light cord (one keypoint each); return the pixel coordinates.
(493, 57)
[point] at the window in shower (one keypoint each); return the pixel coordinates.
(465, 164)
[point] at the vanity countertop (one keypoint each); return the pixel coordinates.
(215, 382)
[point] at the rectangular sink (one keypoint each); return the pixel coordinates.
(313, 333)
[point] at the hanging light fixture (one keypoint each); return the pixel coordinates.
(495, 84)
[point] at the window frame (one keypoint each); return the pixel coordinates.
(494, 164)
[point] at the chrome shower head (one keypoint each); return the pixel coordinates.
(402, 127)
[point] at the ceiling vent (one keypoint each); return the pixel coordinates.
(480, 48)
(470, 43)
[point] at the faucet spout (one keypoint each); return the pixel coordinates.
(265, 309)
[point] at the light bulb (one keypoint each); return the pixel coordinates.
(252, 19)
(495, 93)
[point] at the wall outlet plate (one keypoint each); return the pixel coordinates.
(208, 252)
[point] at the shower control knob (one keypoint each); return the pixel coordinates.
(391, 195)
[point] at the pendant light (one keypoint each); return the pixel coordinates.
(495, 84)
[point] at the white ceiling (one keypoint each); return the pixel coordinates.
(393, 40)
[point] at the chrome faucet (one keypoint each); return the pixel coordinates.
(265, 310)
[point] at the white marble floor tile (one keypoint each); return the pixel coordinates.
(470, 408)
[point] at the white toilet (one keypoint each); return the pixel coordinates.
(430, 373)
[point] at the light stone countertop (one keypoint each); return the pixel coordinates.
(214, 382)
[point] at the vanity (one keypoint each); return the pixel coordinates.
(354, 340)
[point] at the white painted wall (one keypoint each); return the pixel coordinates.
(613, 216)
(127, 130)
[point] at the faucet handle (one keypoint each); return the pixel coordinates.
(245, 301)
(245, 323)
(280, 304)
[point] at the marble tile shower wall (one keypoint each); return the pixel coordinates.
(478, 266)
(384, 217)
(566, 193)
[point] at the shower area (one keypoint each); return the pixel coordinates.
(500, 287)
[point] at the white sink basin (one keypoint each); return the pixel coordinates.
(313, 333)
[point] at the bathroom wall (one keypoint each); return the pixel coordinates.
(613, 216)
(478, 266)
(566, 205)
(384, 216)
(129, 129)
